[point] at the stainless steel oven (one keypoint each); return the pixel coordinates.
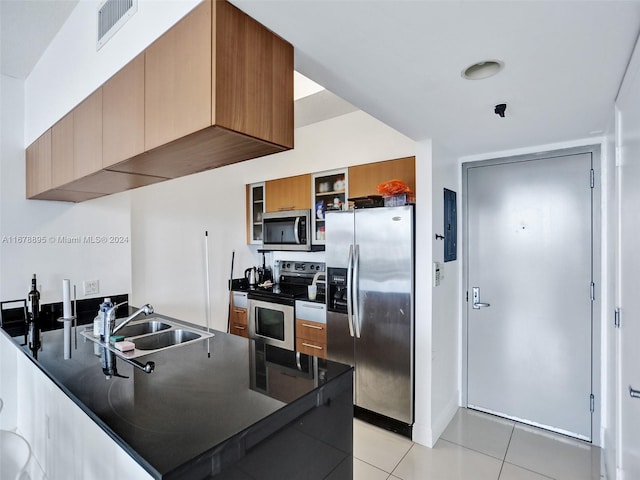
(272, 310)
(272, 321)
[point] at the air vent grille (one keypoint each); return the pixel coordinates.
(112, 15)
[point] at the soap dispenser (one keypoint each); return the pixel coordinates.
(98, 320)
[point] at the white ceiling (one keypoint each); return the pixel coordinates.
(400, 61)
(26, 29)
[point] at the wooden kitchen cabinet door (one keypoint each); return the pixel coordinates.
(123, 114)
(178, 80)
(87, 136)
(363, 179)
(38, 175)
(253, 83)
(62, 170)
(291, 193)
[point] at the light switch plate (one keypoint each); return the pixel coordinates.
(437, 274)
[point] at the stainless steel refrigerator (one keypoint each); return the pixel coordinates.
(370, 307)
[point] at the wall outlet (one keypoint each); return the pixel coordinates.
(91, 287)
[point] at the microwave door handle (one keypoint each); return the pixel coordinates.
(356, 289)
(349, 290)
(296, 230)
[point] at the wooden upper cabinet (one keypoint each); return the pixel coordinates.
(62, 151)
(123, 114)
(219, 67)
(178, 80)
(291, 193)
(253, 77)
(87, 135)
(38, 175)
(215, 89)
(363, 179)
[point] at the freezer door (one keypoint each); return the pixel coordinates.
(339, 239)
(384, 298)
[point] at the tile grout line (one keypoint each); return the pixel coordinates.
(513, 429)
(529, 470)
(403, 457)
(461, 445)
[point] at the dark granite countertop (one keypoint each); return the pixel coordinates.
(192, 403)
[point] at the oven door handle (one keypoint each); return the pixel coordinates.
(296, 230)
(350, 290)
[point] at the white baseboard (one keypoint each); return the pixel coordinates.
(440, 424)
(428, 435)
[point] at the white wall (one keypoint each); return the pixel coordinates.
(71, 68)
(422, 431)
(169, 219)
(446, 300)
(52, 260)
(609, 281)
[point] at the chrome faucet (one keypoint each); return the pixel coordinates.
(109, 320)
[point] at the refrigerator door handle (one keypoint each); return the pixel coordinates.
(349, 290)
(356, 290)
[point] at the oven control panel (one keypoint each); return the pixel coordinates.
(300, 268)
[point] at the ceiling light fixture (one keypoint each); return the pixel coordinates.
(482, 70)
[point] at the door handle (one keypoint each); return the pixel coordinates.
(356, 290)
(350, 290)
(634, 393)
(477, 304)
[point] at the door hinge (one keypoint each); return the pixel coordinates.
(466, 297)
(592, 292)
(616, 318)
(592, 403)
(592, 178)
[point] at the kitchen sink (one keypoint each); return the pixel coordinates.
(165, 339)
(142, 328)
(153, 334)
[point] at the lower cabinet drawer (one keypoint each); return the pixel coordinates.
(311, 348)
(239, 329)
(314, 331)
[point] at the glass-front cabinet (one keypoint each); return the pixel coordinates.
(256, 209)
(329, 193)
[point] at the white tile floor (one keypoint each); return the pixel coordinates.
(475, 446)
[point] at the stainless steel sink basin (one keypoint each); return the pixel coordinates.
(142, 328)
(153, 334)
(165, 339)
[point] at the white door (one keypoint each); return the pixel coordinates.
(629, 266)
(529, 255)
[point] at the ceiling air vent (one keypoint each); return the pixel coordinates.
(112, 15)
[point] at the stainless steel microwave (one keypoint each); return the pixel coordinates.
(288, 230)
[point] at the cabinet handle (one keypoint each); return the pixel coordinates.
(239, 327)
(240, 310)
(317, 307)
(284, 209)
(312, 326)
(312, 346)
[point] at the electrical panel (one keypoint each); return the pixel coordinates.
(450, 226)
